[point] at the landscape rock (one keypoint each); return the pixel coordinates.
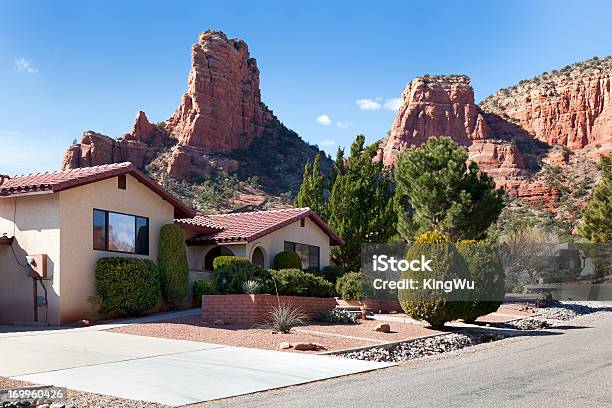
(284, 345)
(383, 328)
(303, 346)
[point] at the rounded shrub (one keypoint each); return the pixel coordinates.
(230, 272)
(201, 288)
(349, 286)
(295, 282)
(435, 305)
(287, 260)
(172, 263)
(331, 273)
(489, 278)
(127, 286)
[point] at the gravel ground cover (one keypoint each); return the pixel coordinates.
(74, 399)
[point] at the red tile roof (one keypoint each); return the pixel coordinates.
(248, 226)
(53, 182)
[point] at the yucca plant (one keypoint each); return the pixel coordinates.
(251, 286)
(284, 317)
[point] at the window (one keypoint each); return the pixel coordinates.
(122, 182)
(303, 222)
(309, 254)
(118, 232)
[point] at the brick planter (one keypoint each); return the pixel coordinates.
(251, 309)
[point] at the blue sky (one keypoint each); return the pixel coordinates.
(69, 66)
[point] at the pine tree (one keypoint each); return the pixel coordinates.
(360, 205)
(311, 192)
(435, 189)
(596, 223)
(338, 167)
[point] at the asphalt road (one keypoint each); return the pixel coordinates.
(571, 369)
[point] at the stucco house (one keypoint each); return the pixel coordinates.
(59, 224)
(258, 236)
(70, 219)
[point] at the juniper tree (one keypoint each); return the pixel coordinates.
(596, 223)
(436, 189)
(311, 192)
(360, 205)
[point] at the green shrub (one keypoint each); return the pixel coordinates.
(349, 286)
(230, 273)
(287, 260)
(173, 266)
(435, 306)
(201, 288)
(338, 316)
(127, 286)
(487, 272)
(331, 273)
(295, 282)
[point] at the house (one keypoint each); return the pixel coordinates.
(55, 226)
(64, 221)
(258, 236)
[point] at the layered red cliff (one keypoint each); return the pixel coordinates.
(513, 133)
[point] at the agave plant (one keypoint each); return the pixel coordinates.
(284, 317)
(251, 286)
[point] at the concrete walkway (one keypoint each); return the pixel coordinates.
(171, 372)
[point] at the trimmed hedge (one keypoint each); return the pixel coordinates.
(230, 272)
(350, 286)
(489, 278)
(331, 273)
(203, 287)
(127, 286)
(287, 260)
(435, 306)
(172, 263)
(295, 282)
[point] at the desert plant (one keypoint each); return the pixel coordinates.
(294, 282)
(127, 286)
(350, 285)
(338, 316)
(172, 263)
(287, 260)
(284, 317)
(251, 286)
(434, 305)
(229, 273)
(487, 272)
(201, 288)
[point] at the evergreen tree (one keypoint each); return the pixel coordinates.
(596, 223)
(360, 205)
(338, 167)
(311, 192)
(435, 189)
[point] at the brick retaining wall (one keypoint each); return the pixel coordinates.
(250, 309)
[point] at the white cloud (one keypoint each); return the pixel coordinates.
(344, 125)
(327, 143)
(368, 104)
(324, 120)
(23, 65)
(393, 104)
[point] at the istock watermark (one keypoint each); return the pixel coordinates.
(486, 272)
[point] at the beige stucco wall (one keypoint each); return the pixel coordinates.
(271, 244)
(76, 237)
(37, 231)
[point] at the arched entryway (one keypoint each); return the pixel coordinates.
(258, 258)
(219, 250)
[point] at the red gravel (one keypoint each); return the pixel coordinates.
(194, 329)
(6, 382)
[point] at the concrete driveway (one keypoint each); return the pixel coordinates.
(171, 372)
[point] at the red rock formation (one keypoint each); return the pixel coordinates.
(435, 106)
(220, 112)
(571, 108)
(222, 109)
(498, 158)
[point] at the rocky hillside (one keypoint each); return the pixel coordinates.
(222, 148)
(539, 139)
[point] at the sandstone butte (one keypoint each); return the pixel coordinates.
(511, 133)
(221, 111)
